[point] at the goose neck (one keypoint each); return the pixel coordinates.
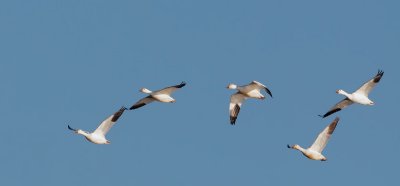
(81, 132)
(342, 92)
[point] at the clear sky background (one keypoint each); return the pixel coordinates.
(77, 62)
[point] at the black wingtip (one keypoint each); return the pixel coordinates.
(331, 112)
(288, 146)
(70, 128)
(378, 76)
(268, 92)
(118, 114)
(137, 106)
(183, 83)
(380, 72)
(235, 114)
(233, 120)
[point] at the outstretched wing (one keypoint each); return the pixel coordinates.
(106, 125)
(234, 106)
(169, 90)
(257, 85)
(142, 102)
(323, 137)
(339, 106)
(369, 85)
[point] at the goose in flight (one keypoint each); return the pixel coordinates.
(314, 152)
(163, 95)
(251, 90)
(99, 135)
(359, 96)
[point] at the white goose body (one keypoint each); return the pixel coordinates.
(99, 135)
(163, 95)
(311, 154)
(251, 90)
(251, 93)
(314, 155)
(95, 138)
(314, 152)
(357, 97)
(360, 96)
(163, 98)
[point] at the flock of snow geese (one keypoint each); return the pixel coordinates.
(251, 90)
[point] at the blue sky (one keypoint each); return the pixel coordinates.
(77, 62)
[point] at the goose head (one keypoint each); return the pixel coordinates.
(145, 90)
(79, 131)
(108, 142)
(231, 86)
(297, 147)
(342, 92)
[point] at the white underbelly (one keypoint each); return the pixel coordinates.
(163, 98)
(96, 139)
(361, 99)
(314, 155)
(254, 94)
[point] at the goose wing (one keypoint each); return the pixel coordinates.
(339, 106)
(106, 125)
(323, 137)
(259, 86)
(144, 101)
(169, 90)
(369, 85)
(234, 106)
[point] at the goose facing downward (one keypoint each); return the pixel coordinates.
(314, 152)
(360, 96)
(99, 135)
(251, 90)
(163, 95)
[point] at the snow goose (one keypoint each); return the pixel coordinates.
(314, 152)
(251, 90)
(359, 96)
(163, 95)
(99, 135)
